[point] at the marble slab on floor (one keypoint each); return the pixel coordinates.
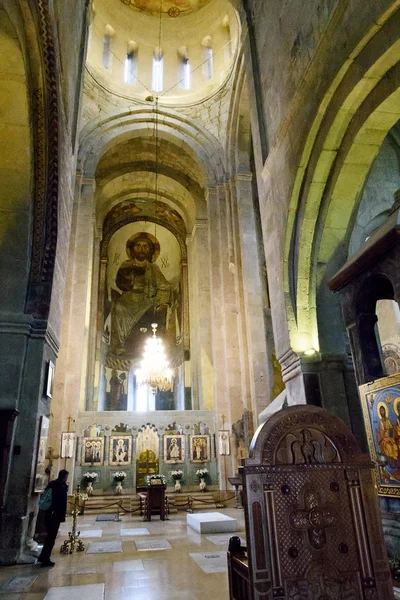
(222, 539)
(92, 591)
(213, 522)
(105, 518)
(211, 562)
(160, 544)
(17, 583)
(103, 547)
(80, 571)
(92, 533)
(137, 531)
(128, 565)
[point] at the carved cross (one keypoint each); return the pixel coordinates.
(314, 519)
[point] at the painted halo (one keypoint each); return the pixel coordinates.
(384, 406)
(396, 406)
(147, 236)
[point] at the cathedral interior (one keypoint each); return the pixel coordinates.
(204, 295)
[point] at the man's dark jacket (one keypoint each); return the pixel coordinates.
(59, 498)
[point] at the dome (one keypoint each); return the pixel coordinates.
(135, 54)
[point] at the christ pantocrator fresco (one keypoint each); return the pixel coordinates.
(145, 296)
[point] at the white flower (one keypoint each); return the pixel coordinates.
(201, 472)
(90, 475)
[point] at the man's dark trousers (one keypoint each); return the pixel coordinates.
(52, 521)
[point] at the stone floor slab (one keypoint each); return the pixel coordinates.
(160, 544)
(103, 547)
(128, 565)
(91, 591)
(105, 518)
(222, 539)
(92, 533)
(211, 562)
(17, 583)
(138, 531)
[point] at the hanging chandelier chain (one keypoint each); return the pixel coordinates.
(154, 370)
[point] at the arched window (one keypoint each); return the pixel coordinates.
(227, 38)
(131, 63)
(140, 397)
(107, 47)
(207, 54)
(183, 68)
(158, 70)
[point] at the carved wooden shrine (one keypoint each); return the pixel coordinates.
(312, 521)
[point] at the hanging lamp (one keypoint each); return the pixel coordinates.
(154, 369)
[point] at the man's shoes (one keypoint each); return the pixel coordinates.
(48, 563)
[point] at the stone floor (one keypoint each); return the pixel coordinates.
(194, 567)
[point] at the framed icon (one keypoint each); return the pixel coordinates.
(49, 379)
(381, 410)
(41, 478)
(200, 448)
(93, 451)
(120, 450)
(174, 449)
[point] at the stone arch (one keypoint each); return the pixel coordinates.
(36, 111)
(354, 117)
(98, 136)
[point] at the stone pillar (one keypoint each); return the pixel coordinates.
(91, 397)
(256, 313)
(70, 377)
(26, 346)
(231, 391)
(201, 362)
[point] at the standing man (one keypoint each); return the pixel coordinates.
(54, 515)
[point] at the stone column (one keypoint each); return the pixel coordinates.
(256, 312)
(230, 380)
(70, 376)
(26, 346)
(91, 398)
(201, 361)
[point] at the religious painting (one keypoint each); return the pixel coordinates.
(381, 408)
(224, 447)
(174, 448)
(200, 448)
(116, 390)
(143, 286)
(67, 444)
(41, 478)
(92, 451)
(120, 450)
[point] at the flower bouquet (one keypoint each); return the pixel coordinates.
(89, 477)
(177, 476)
(119, 476)
(202, 474)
